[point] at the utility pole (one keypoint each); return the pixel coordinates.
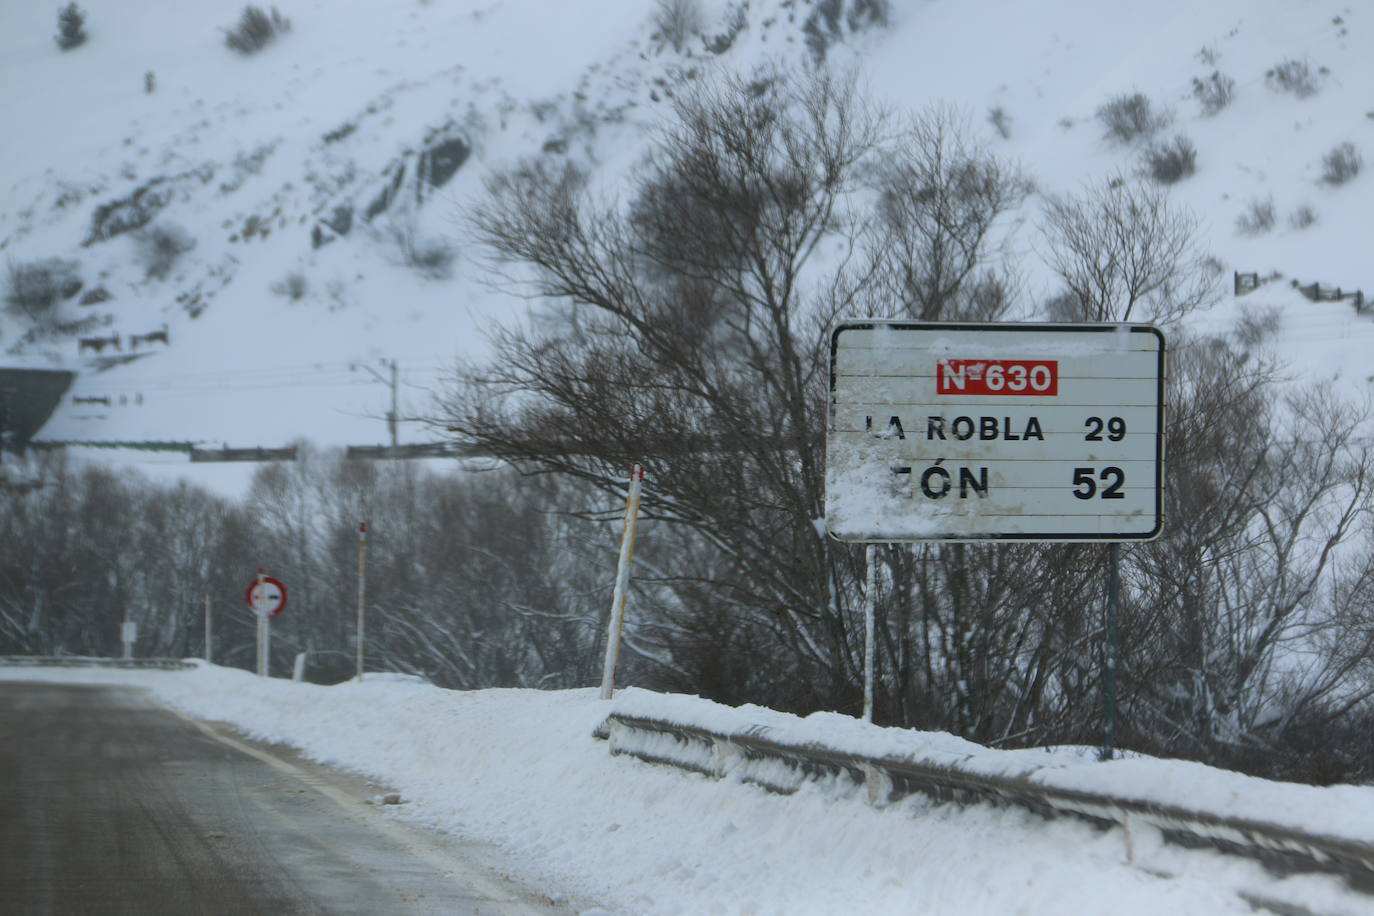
(5, 395)
(392, 418)
(392, 381)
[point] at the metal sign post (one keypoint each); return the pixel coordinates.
(942, 431)
(1113, 650)
(264, 625)
(267, 597)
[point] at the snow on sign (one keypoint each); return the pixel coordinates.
(271, 598)
(961, 432)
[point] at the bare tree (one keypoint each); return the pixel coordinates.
(1246, 588)
(693, 335)
(685, 329)
(1125, 254)
(940, 201)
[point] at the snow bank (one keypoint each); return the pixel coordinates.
(520, 769)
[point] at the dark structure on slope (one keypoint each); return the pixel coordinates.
(28, 398)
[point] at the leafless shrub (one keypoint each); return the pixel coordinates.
(1128, 118)
(832, 19)
(677, 21)
(1294, 76)
(293, 286)
(34, 289)
(1171, 162)
(430, 256)
(736, 20)
(160, 247)
(1258, 325)
(1302, 217)
(1214, 92)
(1064, 306)
(1000, 121)
(256, 30)
(1341, 164)
(1258, 217)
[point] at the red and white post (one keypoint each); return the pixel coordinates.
(870, 613)
(621, 596)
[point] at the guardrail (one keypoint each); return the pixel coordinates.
(83, 661)
(781, 767)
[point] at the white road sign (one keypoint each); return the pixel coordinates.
(1041, 432)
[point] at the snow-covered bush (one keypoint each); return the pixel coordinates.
(1294, 76)
(1341, 164)
(1214, 92)
(1173, 161)
(256, 30)
(1258, 217)
(71, 27)
(1132, 117)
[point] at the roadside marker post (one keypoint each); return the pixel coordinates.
(362, 592)
(621, 595)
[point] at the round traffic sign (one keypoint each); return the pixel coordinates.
(271, 598)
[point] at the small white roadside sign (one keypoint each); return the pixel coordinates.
(962, 432)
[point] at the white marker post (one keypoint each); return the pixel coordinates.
(209, 641)
(362, 591)
(128, 634)
(621, 596)
(264, 627)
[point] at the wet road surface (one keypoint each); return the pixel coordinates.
(111, 803)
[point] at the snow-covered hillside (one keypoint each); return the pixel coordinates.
(314, 190)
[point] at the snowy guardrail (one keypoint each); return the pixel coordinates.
(84, 661)
(1284, 826)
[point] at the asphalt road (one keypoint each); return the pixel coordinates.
(111, 803)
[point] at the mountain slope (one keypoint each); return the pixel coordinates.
(282, 223)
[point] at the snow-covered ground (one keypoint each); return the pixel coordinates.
(520, 769)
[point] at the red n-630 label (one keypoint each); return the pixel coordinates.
(997, 376)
